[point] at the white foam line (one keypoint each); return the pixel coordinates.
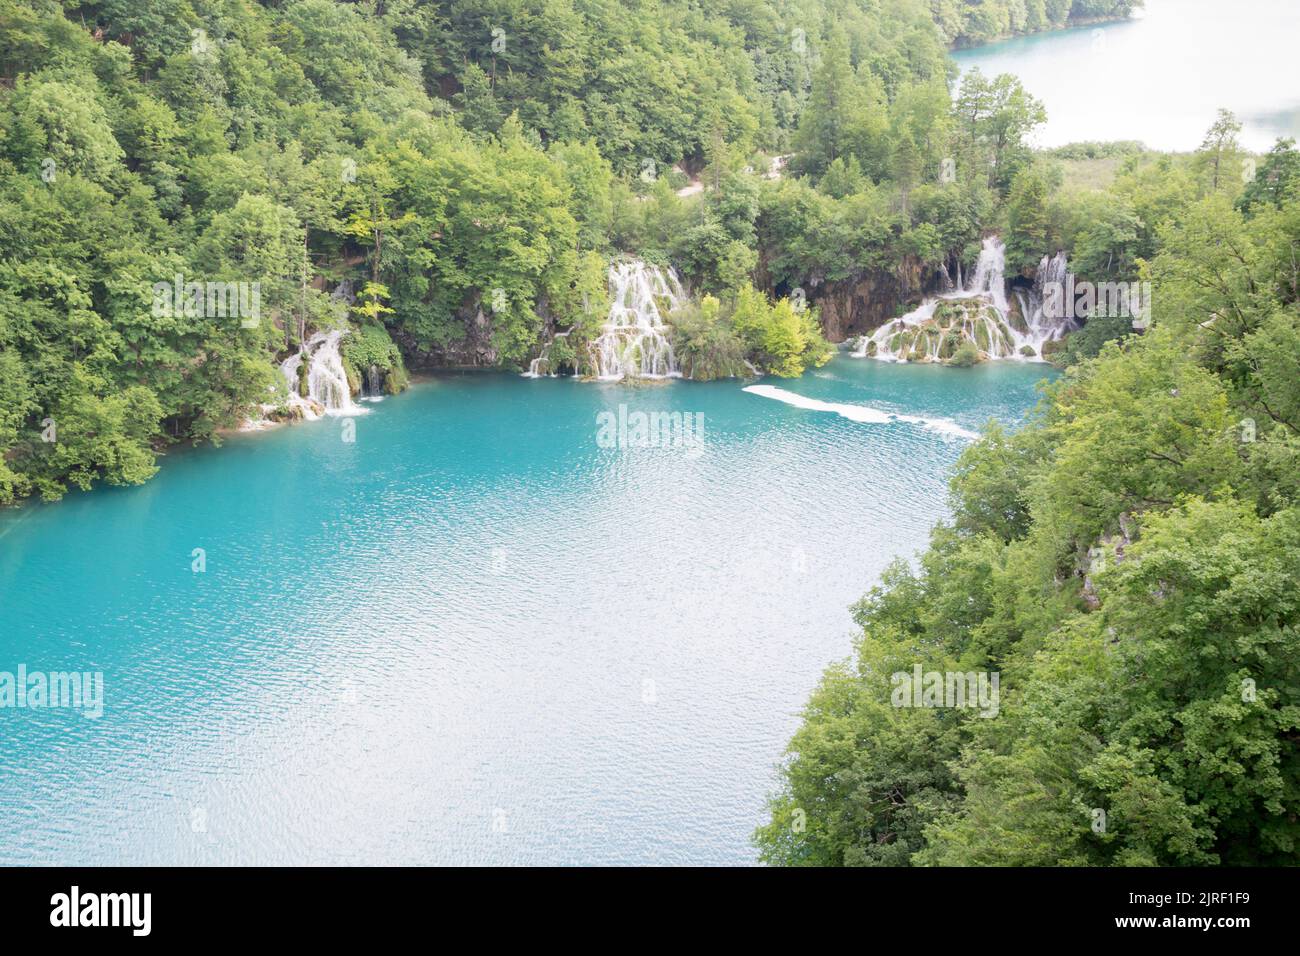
(860, 413)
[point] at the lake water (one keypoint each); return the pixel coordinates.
(472, 635)
(1161, 78)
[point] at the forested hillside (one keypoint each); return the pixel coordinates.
(449, 180)
(967, 22)
(1128, 564)
(467, 166)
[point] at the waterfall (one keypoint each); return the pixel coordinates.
(947, 277)
(536, 366)
(1043, 327)
(633, 343)
(988, 278)
(373, 390)
(327, 383)
(978, 312)
(1051, 270)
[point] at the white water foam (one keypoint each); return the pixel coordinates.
(865, 414)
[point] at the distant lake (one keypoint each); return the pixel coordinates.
(1160, 78)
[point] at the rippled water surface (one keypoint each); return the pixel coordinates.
(472, 635)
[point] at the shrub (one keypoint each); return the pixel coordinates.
(965, 356)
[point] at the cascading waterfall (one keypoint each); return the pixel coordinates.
(327, 383)
(373, 388)
(989, 269)
(634, 340)
(1052, 272)
(541, 365)
(977, 312)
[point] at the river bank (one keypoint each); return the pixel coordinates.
(965, 44)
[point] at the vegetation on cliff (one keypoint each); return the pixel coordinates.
(470, 167)
(476, 160)
(1128, 564)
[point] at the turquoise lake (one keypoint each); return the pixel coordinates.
(1161, 76)
(472, 635)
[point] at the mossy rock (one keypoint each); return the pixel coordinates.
(1053, 346)
(1016, 320)
(965, 356)
(396, 380)
(371, 345)
(951, 342)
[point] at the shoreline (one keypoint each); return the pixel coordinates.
(1080, 23)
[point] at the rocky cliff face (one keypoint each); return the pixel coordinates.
(857, 305)
(474, 349)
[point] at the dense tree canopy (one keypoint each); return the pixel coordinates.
(966, 22)
(446, 178)
(1128, 564)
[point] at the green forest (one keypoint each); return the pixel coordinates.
(468, 168)
(1127, 562)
